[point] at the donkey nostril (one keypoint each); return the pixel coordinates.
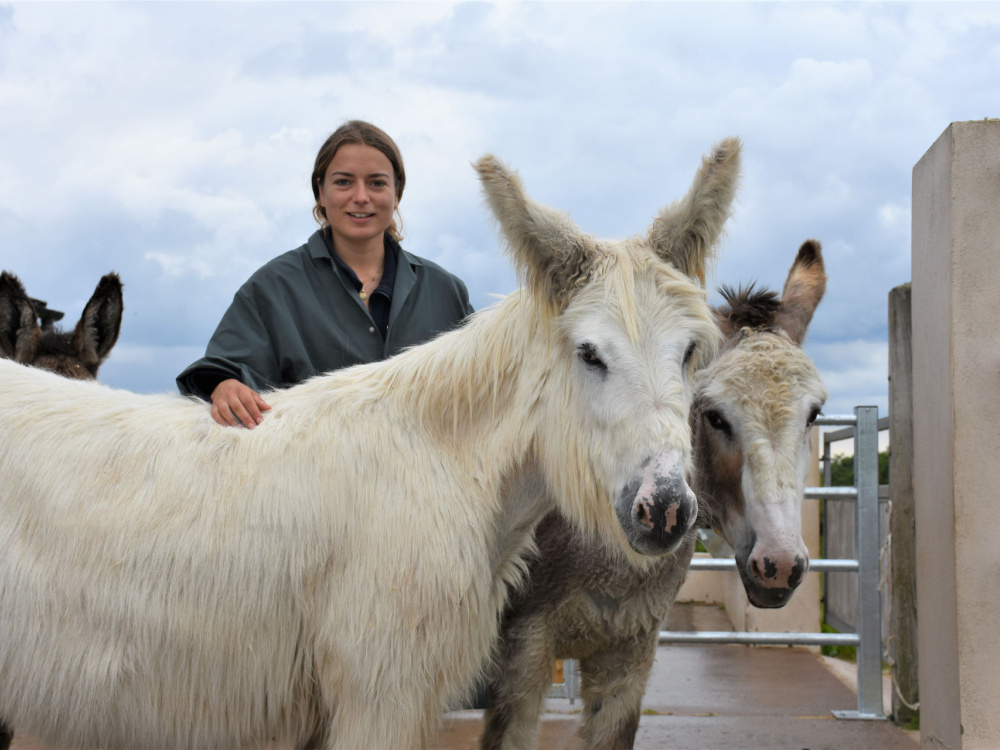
(642, 513)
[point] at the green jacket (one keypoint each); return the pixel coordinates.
(298, 316)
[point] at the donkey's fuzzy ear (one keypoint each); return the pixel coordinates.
(553, 256)
(685, 232)
(101, 322)
(803, 291)
(19, 331)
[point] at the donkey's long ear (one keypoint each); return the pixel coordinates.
(19, 331)
(553, 256)
(803, 291)
(100, 323)
(686, 231)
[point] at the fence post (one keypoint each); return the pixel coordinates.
(869, 600)
(902, 526)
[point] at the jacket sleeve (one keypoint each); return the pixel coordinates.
(240, 348)
(464, 297)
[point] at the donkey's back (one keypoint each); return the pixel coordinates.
(133, 605)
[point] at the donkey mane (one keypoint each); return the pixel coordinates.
(749, 307)
(757, 309)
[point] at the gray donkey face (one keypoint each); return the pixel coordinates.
(754, 409)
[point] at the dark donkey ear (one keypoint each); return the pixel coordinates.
(803, 291)
(19, 330)
(101, 322)
(553, 256)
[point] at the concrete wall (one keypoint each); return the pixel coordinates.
(956, 420)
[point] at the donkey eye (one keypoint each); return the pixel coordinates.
(588, 354)
(718, 422)
(813, 415)
(690, 352)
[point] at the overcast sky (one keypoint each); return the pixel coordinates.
(173, 142)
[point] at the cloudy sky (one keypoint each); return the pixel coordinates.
(173, 142)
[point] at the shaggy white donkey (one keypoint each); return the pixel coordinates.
(333, 578)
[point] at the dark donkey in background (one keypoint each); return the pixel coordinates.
(753, 409)
(77, 354)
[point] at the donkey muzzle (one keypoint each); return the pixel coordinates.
(770, 577)
(656, 509)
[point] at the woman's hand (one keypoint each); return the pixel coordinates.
(237, 405)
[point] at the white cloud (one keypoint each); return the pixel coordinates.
(174, 141)
(895, 218)
(855, 373)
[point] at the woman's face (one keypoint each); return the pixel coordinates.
(358, 193)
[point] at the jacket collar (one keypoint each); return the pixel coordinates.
(406, 274)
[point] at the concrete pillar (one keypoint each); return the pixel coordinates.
(956, 421)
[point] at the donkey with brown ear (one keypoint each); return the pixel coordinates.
(754, 405)
(77, 354)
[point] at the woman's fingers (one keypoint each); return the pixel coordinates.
(235, 404)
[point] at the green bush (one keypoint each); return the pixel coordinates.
(842, 470)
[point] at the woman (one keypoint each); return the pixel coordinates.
(350, 295)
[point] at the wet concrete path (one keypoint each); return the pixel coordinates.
(723, 698)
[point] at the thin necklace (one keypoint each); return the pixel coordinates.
(363, 293)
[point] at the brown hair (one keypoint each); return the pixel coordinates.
(365, 134)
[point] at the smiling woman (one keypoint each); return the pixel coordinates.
(350, 295)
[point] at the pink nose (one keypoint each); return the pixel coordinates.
(777, 569)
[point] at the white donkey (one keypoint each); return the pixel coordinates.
(333, 579)
(754, 406)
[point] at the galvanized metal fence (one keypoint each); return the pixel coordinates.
(840, 590)
(867, 639)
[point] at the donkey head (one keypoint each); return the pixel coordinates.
(75, 355)
(754, 408)
(627, 324)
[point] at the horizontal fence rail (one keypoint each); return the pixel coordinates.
(760, 639)
(815, 566)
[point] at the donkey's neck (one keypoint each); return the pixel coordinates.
(479, 384)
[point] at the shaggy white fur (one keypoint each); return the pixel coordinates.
(332, 578)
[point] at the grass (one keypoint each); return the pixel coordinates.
(847, 653)
(913, 725)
